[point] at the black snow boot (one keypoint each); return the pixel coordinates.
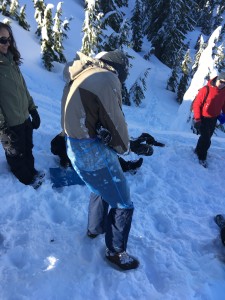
(220, 221)
(131, 165)
(122, 260)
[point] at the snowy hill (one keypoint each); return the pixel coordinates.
(44, 251)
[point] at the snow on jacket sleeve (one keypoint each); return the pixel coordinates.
(198, 102)
(102, 101)
(112, 118)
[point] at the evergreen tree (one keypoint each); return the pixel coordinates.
(117, 26)
(113, 11)
(125, 95)
(205, 20)
(22, 18)
(186, 64)
(39, 6)
(47, 42)
(137, 27)
(222, 33)
(172, 81)
(58, 35)
(4, 8)
(136, 92)
(182, 87)
(118, 40)
(219, 57)
(13, 9)
(218, 18)
(91, 42)
(169, 28)
(198, 54)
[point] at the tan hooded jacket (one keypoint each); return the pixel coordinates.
(93, 94)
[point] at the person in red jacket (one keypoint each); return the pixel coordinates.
(207, 107)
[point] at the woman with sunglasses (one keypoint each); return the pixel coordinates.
(207, 106)
(16, 106)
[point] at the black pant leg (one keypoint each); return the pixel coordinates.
(29, 146)
(97, 214)
(18, 164)
(204, 141)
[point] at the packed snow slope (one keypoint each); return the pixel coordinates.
(44, 251)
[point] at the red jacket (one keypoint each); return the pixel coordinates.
(214, 103)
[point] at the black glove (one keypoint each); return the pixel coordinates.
(141, 149)
(158, 144)
(36, 121)
(149, 139)
(146, 137)
(103, 134)
(196, 127)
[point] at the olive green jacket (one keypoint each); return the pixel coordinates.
(15, 100)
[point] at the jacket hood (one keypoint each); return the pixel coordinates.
(82, 62)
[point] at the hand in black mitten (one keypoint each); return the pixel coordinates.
(196, 128)
(158, 144)
(103, 134)
(146, 137)
(141, 149)
(36, 121)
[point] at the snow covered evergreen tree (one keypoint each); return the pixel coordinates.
(4, 7)
(91, 42)
(39, 6)
(168, 27)
(173, 80)
(201, 46)
(47, 41)
(186, 68)
(205, 20)
(136, 92)
(117, 26)
(125, 95)
(22, 18)
(58, 34)
(13, 9)
(182, 87)
(218, 18)
(219, 57)
(137, 27)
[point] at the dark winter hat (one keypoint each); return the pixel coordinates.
(221, 76)
(119, 61)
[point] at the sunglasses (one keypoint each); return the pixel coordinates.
(4, 40)
(222, 81)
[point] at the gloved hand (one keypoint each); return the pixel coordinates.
(141, 149)
(158, 144)
(36, 121)
(103, 134)
(149, 139)
(221, 118)
(196, 127)
(146, 137)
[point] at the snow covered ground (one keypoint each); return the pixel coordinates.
(44, 251)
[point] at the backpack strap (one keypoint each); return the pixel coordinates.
(203, 103)
(206, 96)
